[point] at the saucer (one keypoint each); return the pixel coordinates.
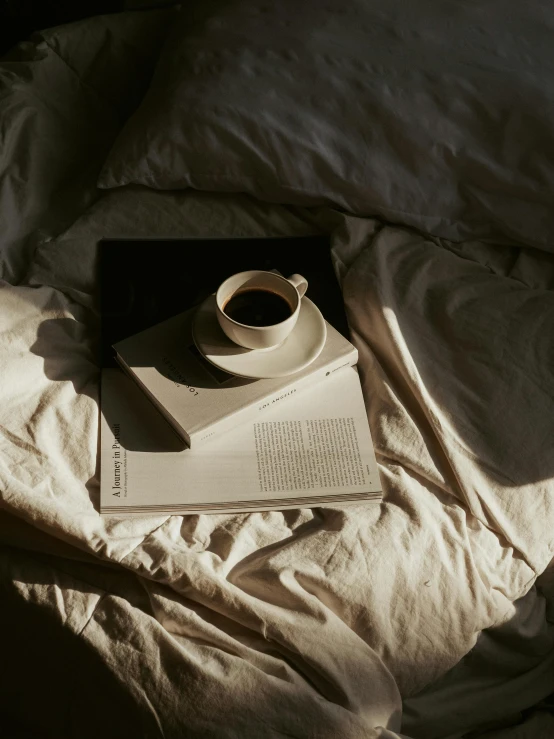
(298, 350)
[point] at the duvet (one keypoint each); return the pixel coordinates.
(428, 614)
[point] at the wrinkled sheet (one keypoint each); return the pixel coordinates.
(354, 622)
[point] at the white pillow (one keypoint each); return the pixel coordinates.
(63, 98)
(437, 114)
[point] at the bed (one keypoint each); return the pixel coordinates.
(420, 138)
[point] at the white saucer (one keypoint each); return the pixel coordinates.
(297, 351)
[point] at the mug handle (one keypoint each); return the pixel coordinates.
(299, 282)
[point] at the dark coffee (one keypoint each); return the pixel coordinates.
(257, 307)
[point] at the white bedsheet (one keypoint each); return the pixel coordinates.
(311, 623)
(324, 619)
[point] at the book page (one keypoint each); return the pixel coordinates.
(320, 444)
(321, 453)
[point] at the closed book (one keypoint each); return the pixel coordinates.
(199, 400)
(315, 452)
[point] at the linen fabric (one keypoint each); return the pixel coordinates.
(352, 622)
(436, 114)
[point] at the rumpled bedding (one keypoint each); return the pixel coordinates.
(429, 614)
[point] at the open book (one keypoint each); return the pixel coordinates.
(314, 452)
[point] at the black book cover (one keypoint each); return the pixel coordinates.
(144, 281)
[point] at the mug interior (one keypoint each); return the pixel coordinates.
(256, 279)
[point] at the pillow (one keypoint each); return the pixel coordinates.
(63, 98)
(437, 114)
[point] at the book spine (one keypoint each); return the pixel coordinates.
(250, 411)
(177, 428)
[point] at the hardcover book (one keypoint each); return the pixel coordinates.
(201, 401)
(316, 452)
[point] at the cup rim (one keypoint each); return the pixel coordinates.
(248, 325)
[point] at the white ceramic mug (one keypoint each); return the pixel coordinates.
(260, 337)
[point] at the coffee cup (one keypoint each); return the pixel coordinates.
(257, 309)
